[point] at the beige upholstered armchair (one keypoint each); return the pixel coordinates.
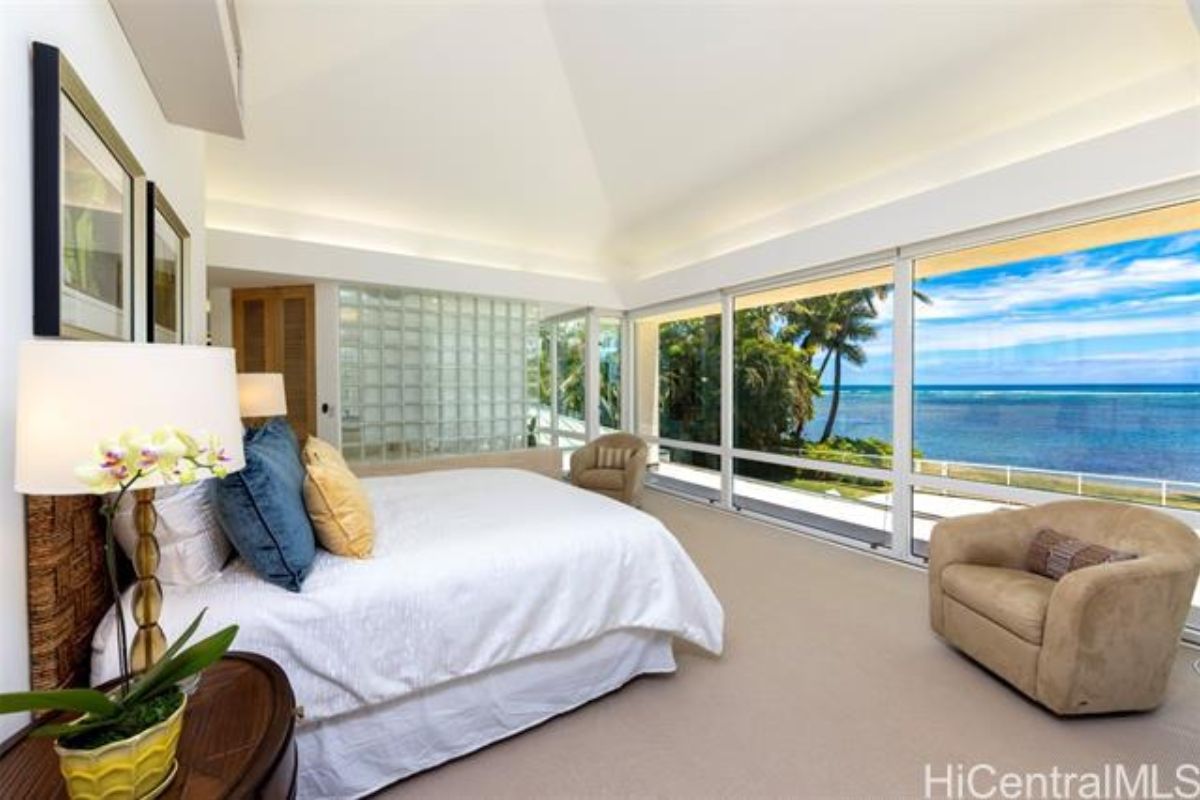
(1099, 639)
(622, 483)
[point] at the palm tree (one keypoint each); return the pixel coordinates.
(839, 323)
(849, 325)
(808, 326)
(774, 380)
(690, 379)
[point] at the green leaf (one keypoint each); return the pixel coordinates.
(151, 675)
(178, 644)
(88, 701)
(196, 658)
(63, 728)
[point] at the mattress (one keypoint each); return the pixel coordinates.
(472, 570)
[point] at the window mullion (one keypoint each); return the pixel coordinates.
(727, 395)
(591, 375)
(554, 384)
(902, 408)
(628, 401)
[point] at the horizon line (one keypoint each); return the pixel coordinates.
(1020, 385)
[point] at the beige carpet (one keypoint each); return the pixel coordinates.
(831, 686)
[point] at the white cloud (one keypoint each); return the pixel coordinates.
(1167, 354)
(999, 334)
(877, 349)
(1182, 243)
(1078, 278)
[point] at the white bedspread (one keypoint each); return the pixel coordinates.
(472, 569)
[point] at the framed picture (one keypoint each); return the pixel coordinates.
(167, 249)
(84, 183)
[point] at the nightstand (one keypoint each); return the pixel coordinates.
(237, 740)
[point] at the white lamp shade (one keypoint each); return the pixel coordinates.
(73, 395)
(260, 394)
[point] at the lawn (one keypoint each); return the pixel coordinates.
(853, 489)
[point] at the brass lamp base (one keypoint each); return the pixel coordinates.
(149, 643)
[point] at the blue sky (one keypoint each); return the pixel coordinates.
(1125, 313)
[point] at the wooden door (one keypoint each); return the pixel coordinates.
(273, 331)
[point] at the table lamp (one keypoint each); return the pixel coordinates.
(261, 395)
(73, 395)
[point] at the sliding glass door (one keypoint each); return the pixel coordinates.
(813, 404)
(678, 358)
(561, 419)
(609, 355)
(569, 390)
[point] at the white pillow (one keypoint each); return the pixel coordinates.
(192, 545)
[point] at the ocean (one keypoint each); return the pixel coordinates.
(1148, 431)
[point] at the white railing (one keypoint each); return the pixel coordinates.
(945, 468)
(1157, 490)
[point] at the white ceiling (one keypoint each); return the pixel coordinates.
(605, 139)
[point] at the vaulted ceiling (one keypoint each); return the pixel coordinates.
(610, 139)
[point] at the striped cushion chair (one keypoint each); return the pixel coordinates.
(613, 465)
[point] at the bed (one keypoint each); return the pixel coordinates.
(496, 599)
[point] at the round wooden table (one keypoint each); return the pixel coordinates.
(237, 740)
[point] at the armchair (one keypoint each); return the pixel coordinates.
(625, 483)
(1100, 639)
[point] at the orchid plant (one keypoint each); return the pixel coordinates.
(118, 466)
(121, 462)
(177, 456)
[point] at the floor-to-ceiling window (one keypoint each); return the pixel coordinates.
(609, 354)
(569, 390)
(678, 362)
(541, 423)
(813, 403)
(1001, 368)
(561, 412)
(1063, 362)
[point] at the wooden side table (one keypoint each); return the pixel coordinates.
(237, 740)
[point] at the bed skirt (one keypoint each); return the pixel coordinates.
(363, 751)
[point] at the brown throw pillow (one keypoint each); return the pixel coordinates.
(1054, 555)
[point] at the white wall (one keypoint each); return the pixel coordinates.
(294, 258)
(329, 378)
(88, 34)
(220, 315)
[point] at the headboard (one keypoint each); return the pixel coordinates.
(544, 460)
(67, 586)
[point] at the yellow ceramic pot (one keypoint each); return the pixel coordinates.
(130, 769)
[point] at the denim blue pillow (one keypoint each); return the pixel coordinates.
(261, 507)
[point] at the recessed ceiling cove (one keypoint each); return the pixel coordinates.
(610, 140)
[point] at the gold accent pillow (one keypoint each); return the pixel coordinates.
(322, 452)
(340, 511)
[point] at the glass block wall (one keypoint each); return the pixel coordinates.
(428, 373)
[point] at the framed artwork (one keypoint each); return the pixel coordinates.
(167, 248)
(84, 181)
